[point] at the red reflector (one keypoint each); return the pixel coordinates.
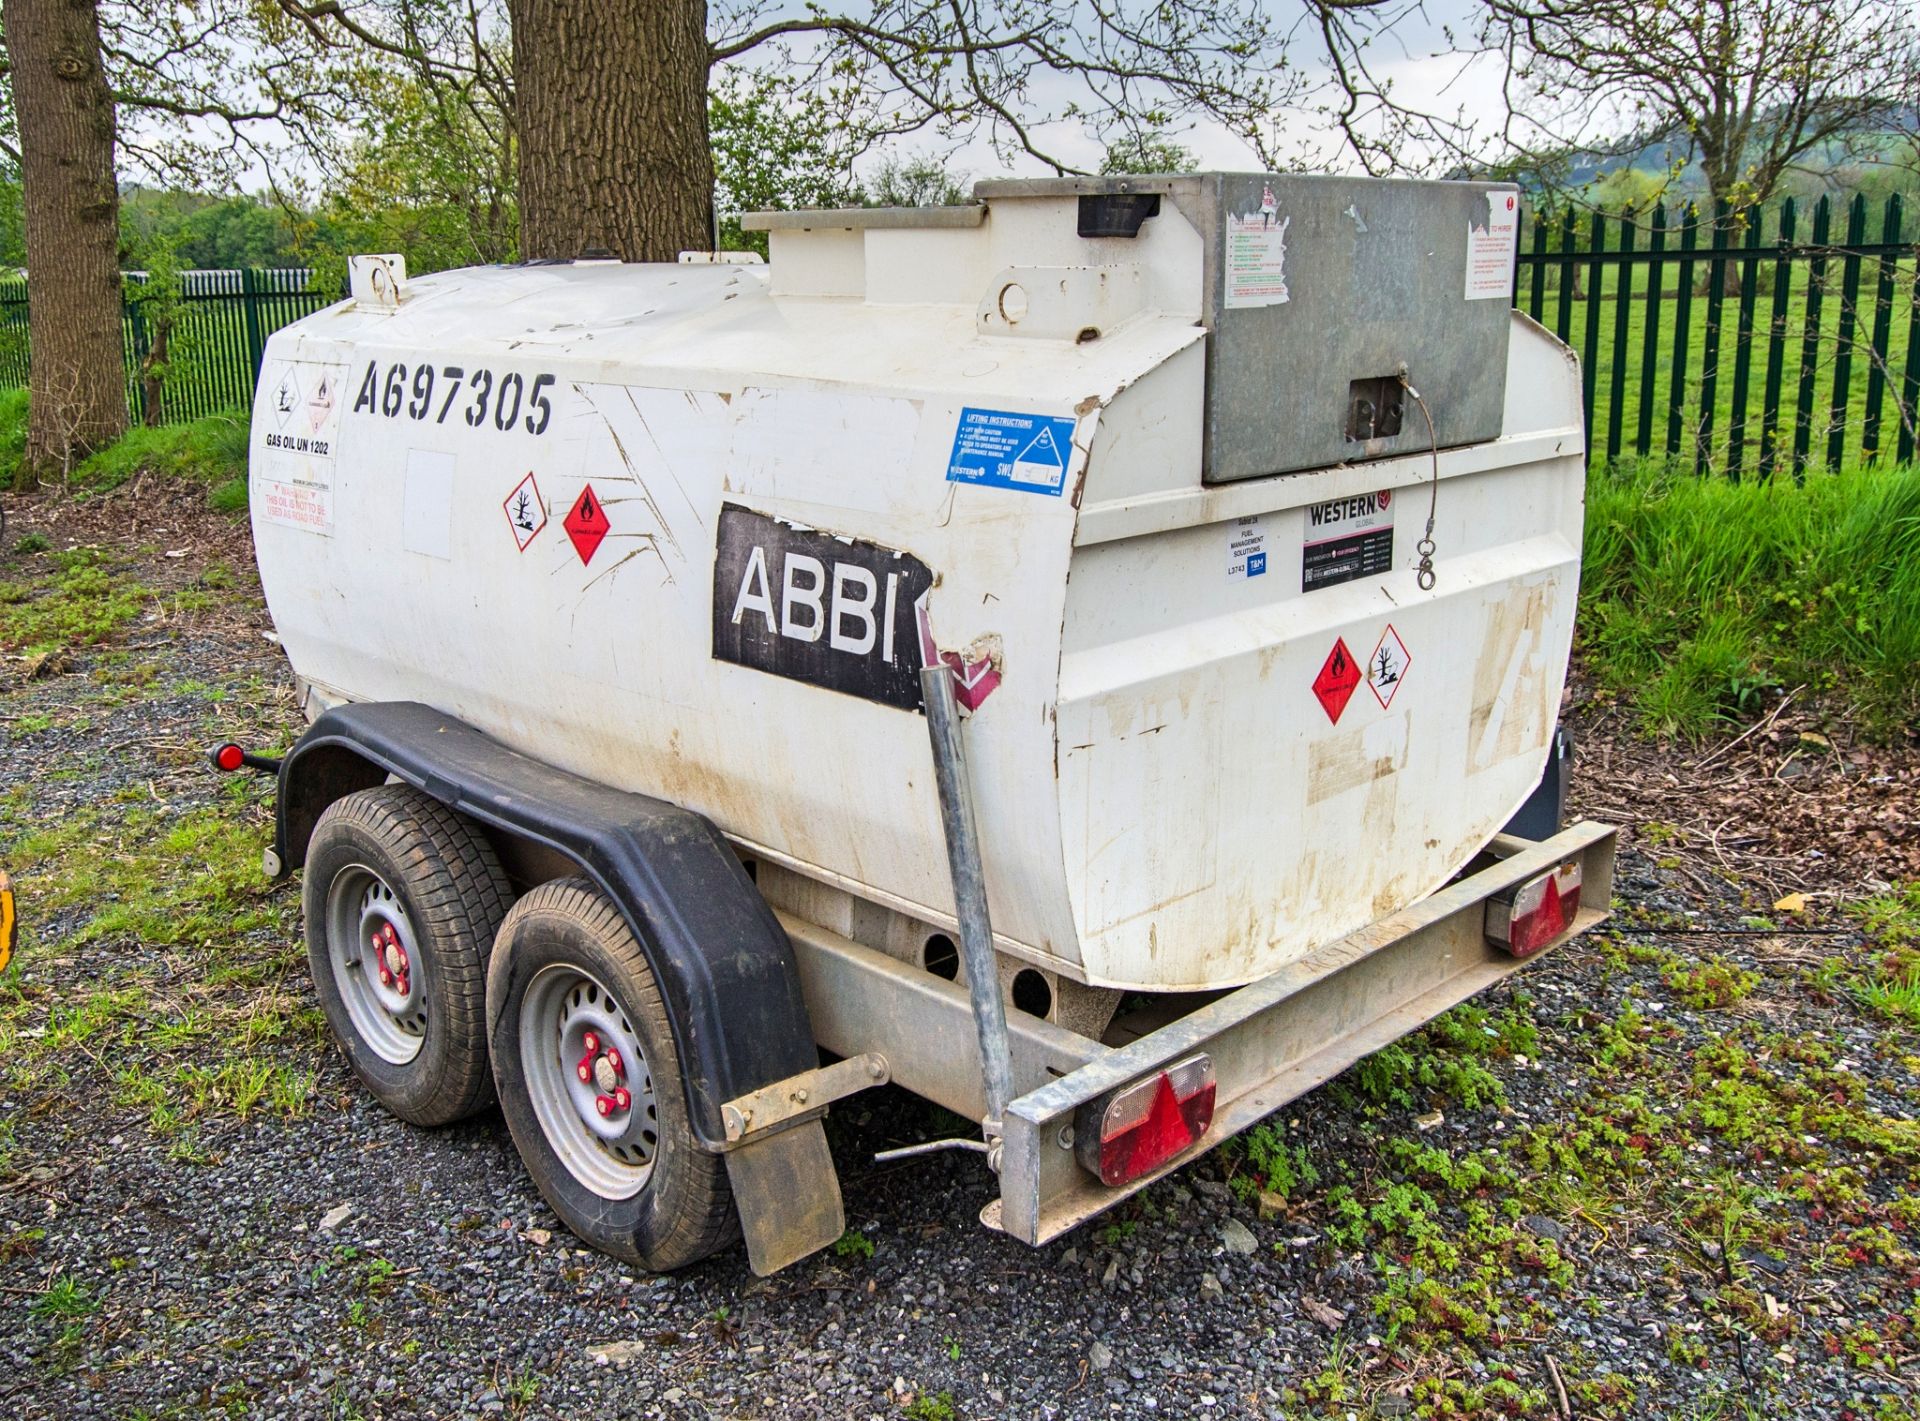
(1148, 1124)
(1540, 910)
(229, 758)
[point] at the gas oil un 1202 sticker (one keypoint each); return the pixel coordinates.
(526, 513)
(293, 473)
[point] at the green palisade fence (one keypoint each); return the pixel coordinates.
(1739, 342)
(219, 336)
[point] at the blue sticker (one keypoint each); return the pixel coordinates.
(1005, 450)
(1256, 564)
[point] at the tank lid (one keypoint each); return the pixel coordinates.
(965, 214)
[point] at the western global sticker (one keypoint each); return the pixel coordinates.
(1006, 449)
(1347, 538)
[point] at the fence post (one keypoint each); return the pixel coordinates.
(1743, 343)
(1810, 339)
(1849, 317)
(1882, 320)
(1910, 394)
(256, 342)
(1776, 341)
(135, 321)
(1710, 346)
(1650, 332)
(1682, 326)
(1622, 308)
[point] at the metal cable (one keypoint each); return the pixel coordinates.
(1423, 570)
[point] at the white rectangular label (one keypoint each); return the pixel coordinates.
(293, 484)
(1347, 538)
(1490, 249)
(1256, 256)
(1246, 548)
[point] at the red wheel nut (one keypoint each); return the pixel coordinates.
(591, 1042)
(613, 1059)
(621, 1100)
(386, 978)
(604, 1104)
(586, 1071)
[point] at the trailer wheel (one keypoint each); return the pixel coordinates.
(402, 900)
(590, 1083)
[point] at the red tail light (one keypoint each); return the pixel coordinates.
(229, 757)
(1143, 1126)
(1538, 912)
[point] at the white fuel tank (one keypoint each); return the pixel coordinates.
(692, 530)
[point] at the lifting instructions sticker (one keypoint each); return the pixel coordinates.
(1004, 449)
(1347, 538)
(1256, 264)
(1490, 249)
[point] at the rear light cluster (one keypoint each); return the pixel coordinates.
(1538, 912)
(1145, 1125)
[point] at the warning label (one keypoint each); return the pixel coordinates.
(293, 471)
(1003, 449)
(1256, 256)
(1387, 667)
(526, 514)
(586, 524)
(1347, 538)
(1246, 548)
(1338, 676)
(1490, 249)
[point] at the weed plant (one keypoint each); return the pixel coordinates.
(1703, 598)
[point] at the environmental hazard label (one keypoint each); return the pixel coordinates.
(586, 524)
(1347, 538)
(526, 513)
(1387, 667)
(1338, 676)
(1006, 449)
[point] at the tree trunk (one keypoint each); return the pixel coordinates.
(611, 101)
(77, 386)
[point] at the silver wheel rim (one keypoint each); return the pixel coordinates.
(376, 961)
(589, 1081)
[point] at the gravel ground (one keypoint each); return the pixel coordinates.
(1669, 1173)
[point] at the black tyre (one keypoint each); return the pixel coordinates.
(403, 898)
(590, 1083)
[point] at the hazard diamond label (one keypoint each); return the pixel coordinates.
(1387, 667)
(1338, 676)
(586, 524)
(526, 514)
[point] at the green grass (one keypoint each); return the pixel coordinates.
(1699, 596)
(211, 451)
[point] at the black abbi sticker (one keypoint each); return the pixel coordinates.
(829, 611)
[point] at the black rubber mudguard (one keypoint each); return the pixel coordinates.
(723, 962)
